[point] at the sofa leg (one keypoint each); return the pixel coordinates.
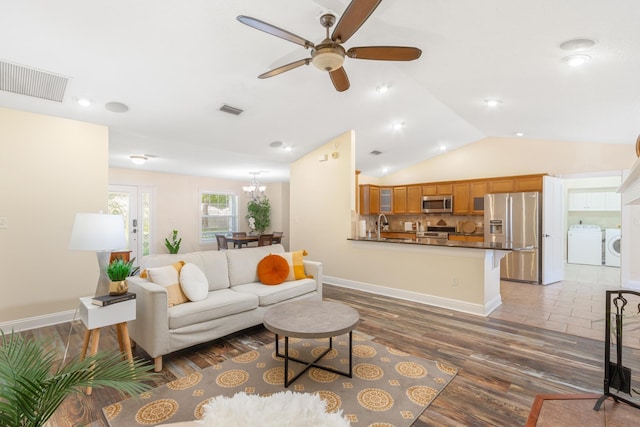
(157, 363)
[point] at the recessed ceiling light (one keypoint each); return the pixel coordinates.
(492, 102)
(382, 88)
(287, 148)
(443, 147)
(84, 102)
(385, 170)
(138, 160)
(577, 45)
(397, 126)
(116, 107)
(519, 134)
(576, 60)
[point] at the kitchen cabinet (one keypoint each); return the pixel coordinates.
(386, 200)
(400, 200)
(397, 235)
(477, 190)
(414, 199)
(501, 186)
(369, 199)
(437, 189)
(531, 183)
(461, 198)
(598, 200)
(466, 238)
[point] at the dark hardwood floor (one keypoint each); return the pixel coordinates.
(502, 365)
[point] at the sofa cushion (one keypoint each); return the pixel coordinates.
(220, 303)
(168, 277)
(296, 265)
(269, 295)
(273, 270)
(243, 263)
(212, 263)
(193, 282)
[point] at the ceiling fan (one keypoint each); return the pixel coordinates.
(329, 54)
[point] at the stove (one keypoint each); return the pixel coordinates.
(436, 232)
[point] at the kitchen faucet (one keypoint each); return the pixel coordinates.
(386, 222)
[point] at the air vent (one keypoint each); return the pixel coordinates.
(376, 152)
(231, 110)
(31, 82)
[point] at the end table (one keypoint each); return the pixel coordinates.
(95, 317)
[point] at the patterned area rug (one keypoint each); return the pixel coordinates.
(389, 388)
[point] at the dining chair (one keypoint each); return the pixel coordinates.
(239, 234)
(222, 242)
(277, 237)
(265, 239)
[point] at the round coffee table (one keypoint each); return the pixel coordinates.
(311, 319)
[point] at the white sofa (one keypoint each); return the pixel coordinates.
(236, 299)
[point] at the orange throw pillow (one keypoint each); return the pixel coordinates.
(273, 269)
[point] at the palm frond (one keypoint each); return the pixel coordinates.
(32, 387)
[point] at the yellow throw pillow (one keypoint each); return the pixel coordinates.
(169, 278)
(296, 265)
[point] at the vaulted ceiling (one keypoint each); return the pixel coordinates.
(174, 64)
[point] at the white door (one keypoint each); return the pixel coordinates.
(123, 200)
(552, 230)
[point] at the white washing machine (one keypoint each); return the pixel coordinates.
(612, 247)
(584, 244)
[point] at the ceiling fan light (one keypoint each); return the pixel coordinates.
(328, 59)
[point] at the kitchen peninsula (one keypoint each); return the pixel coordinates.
(459, 275)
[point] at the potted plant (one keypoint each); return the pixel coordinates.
(33, 383)
(259, 210)
(118, 271)
(173, 246)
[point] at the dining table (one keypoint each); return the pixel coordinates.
(241, 241)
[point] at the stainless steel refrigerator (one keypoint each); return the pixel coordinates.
(515, 218)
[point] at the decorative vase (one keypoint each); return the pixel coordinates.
(118, 288)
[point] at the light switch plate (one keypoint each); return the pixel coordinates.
(4, 223)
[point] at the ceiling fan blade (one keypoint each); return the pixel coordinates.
(273, 30)
(385, 53)
(284, 68)
(340, 79)
(356, 14)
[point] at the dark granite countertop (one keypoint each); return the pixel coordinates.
(446, 243)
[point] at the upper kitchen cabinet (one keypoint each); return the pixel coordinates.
(369, 199)
(386, 200)
(437, 189)
(477, 190)
(515, 184)
(414, 199)
(461, 198)
(501, 186)
(400, 200)
(594, 200)
(528, 183)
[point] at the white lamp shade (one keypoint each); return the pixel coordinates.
(97, 232)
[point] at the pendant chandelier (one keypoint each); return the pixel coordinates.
(255, 190)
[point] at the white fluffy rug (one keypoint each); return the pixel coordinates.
(283, 409)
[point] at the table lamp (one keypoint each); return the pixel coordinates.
(101, 233)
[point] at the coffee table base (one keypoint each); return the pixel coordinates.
(286, 357)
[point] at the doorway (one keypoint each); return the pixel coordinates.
(134, 204)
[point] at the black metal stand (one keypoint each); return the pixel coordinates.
(616, 376)
(287, 358)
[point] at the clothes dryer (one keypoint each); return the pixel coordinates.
(612, 247)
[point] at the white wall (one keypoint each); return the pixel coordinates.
(176, 201)
(50, 169)
(492, 157)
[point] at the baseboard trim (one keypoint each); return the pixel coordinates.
(451, 304)
(38, 321)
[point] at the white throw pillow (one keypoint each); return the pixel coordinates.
(193, 282)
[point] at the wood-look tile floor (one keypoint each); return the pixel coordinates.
(503, 364)
(575, 305)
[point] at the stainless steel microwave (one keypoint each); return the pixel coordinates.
(437, 204)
